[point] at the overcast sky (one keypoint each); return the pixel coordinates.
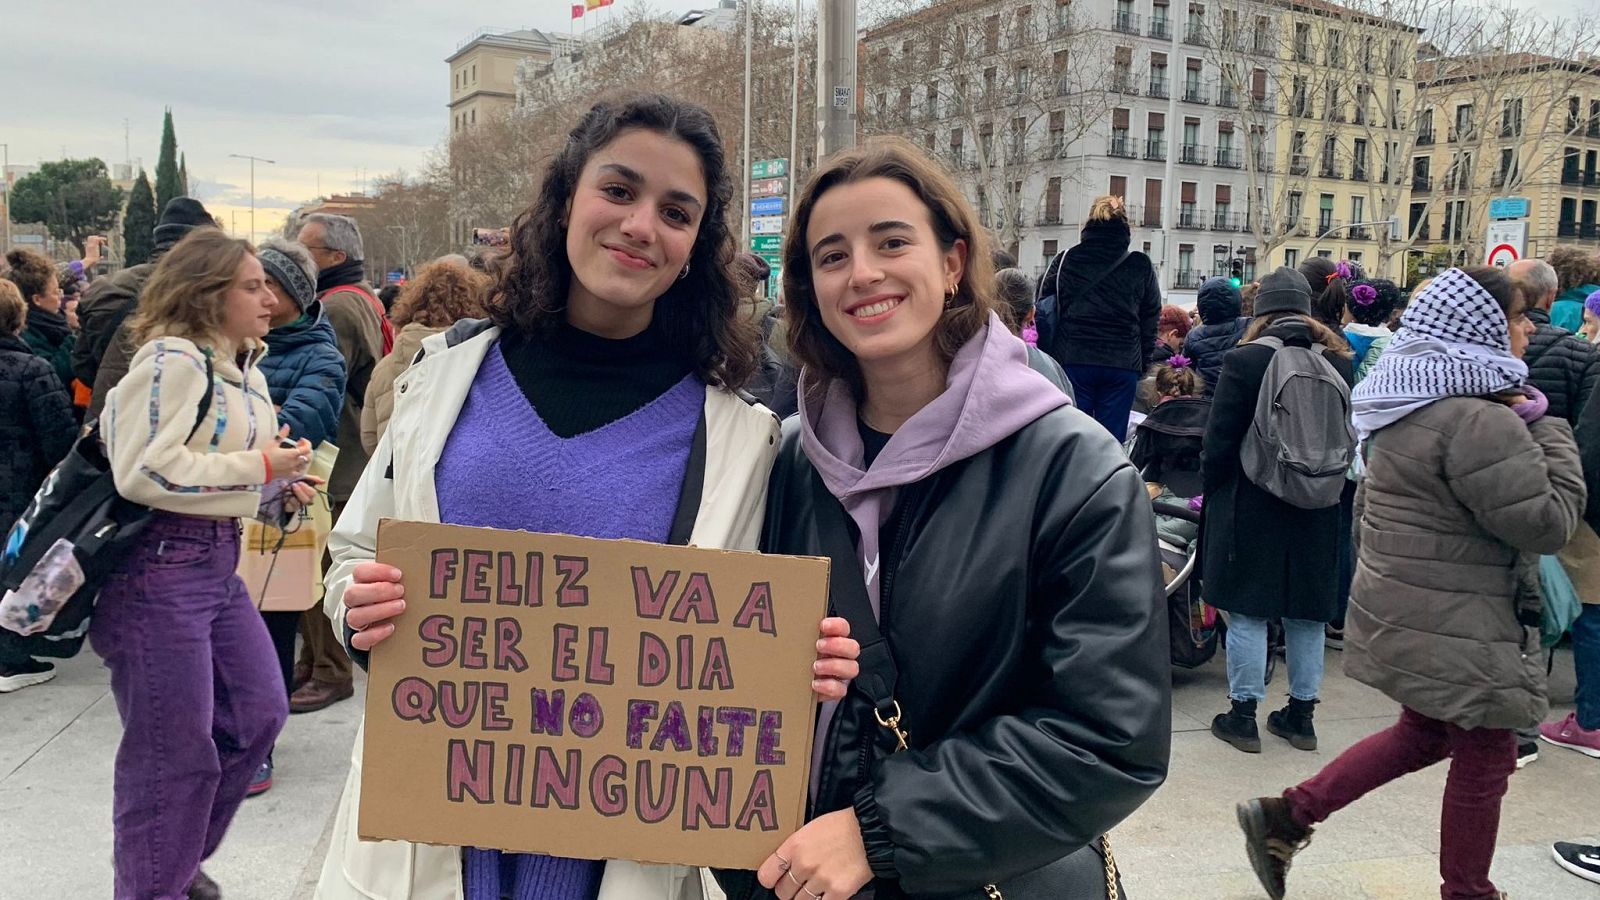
(332, 90)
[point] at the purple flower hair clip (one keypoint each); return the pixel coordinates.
(1179, 361)
(1364, 294)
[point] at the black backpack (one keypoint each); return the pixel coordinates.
(72, 536)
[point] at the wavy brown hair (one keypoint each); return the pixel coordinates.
(1320, 333)
(183, 297)
(32, 272)
(442, 294)
(13, 309)
(699, 314)
(897, 159)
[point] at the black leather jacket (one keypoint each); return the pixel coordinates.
(1021, 599)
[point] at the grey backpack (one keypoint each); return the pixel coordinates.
(1301, 440)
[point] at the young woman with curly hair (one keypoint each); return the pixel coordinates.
(615, 339)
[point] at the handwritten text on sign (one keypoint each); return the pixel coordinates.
(589, 698)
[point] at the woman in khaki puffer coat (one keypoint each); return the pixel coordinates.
(1465, 482)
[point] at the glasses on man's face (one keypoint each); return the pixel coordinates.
(315, 249)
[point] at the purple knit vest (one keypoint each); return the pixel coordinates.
(502, 467)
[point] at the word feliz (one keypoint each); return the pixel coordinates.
(521, 582)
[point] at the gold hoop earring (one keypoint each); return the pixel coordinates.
(950, 296)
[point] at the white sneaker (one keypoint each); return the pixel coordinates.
(1582, 860)
(27, 673)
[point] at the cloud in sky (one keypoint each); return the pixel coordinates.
(337, 93)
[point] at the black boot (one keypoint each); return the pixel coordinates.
(1271, 837)
(1237, 726)
(1293, 724)
(203, 888)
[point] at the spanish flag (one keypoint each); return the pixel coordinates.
(596, 4)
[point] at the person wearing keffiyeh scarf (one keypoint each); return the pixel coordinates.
(1467, 482)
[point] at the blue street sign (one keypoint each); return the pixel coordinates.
(1508, 208)
(766, 206)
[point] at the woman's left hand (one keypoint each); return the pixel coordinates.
(304, 493)
(836, 662)
(826, 857)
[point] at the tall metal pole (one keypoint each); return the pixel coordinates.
(744, 219)
(794, 102)
(1169, 191)
(253, 161)
(5, 175)
(836, 76)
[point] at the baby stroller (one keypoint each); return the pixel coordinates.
(1166, 450)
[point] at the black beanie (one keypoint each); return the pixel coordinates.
(182, 215)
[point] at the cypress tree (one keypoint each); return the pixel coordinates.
(167, 185)
(138, 224)
(183, 175)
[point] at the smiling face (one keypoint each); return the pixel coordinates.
(631, 228)
(247, 304)
(878, 272)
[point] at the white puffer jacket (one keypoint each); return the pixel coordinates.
(741, 444)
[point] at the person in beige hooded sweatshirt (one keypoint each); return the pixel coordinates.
(446, 291)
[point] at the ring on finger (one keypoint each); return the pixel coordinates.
(797, 882)
(783, 864)
(811, 895)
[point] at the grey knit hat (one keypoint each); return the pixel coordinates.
(290, 264)
(1284, 290)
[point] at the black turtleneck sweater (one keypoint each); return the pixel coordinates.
(578, 381)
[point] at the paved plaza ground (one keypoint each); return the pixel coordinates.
(57, 742)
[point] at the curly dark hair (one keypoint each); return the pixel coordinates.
(32, 272)
(1330, 294)
(699, 314)
(899, 160)
(1382, 306)
(442, 294)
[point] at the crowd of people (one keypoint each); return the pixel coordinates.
(1403, 479)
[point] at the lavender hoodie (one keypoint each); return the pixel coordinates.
(991, 393)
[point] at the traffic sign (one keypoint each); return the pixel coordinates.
(766, 225)
(769, 168)
(769, 187)
(773, 260)
(766, 206)
(766, 243)
(1508, 208)
(1506, 242)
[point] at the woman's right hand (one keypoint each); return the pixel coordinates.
(288, 462)
(374, 597)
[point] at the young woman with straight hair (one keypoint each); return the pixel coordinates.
(192, 666)
(991, 546)
(598, 399)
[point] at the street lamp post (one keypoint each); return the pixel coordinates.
(5, 167)
(253, 161)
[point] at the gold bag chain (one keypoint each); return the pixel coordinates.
(902, 739)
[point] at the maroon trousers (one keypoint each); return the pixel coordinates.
(1481, 763)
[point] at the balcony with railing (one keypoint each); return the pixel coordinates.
(1049, 217)
(1125, 22)
(1298, 226)
(1265, 165)
(1123, 148)
(1358, 171)
(1145, 216)
(1192, 219)
(1468, 134)
(1193, 154)
(1195, 33)
(1571, 176)
(1330, 168)
(1123, 82)
(1155, 149)
(1196, 93)
(1458, 181)
(1588, 230)
(1158, 88)
(1299, 164)
(1567, 229)
(1161, 29)
(1360, 233)
(1261, 104)
(1326, 224)
(1229, 158)
(1227, 97)
(1425, 232)
(1425, 138)
(1421, 184)
(1227, 221)
(1499, 178)
(1261, 42)
(1591, 178)
(1187, 279)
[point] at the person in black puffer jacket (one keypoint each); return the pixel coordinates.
(1106, 310)
(36, 431)
(1220, 329)
(1561, 364)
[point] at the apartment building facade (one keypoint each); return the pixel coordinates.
(1524, 126)
(1187, 110)
(483, 71)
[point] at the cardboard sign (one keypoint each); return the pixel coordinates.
(593, 699)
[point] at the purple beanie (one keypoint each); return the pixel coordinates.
(1592, 304)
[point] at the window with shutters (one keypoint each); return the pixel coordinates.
(957, 152)
(1152, 203)
(1188, 210)
(991, 34)
(986, 143)
(1058, 133)
(1052, 202)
